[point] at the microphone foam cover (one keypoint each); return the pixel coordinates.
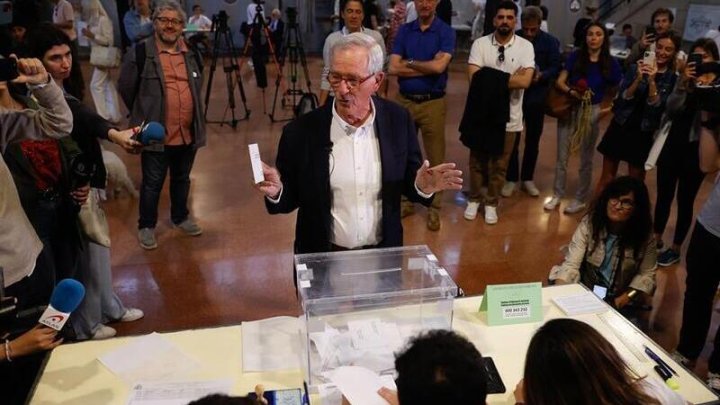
(153, 132)
(67, 295)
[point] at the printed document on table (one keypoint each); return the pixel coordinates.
(585, 303)
(271, 344)
(176, 393)
(148, 358)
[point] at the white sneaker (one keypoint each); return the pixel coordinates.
(471, 210)
(530, 188)
(575, 207)
(552, 204)
(713, 381)
(132, 314)
(103, 332)
(508, 189)
(491, 215)
(681, 359)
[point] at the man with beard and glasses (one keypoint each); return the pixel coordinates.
(167, 90)
(420, 57)
(502, 50)
(345, 165)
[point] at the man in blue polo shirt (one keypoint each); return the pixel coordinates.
(420, 57)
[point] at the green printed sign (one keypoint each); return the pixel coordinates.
(509, 304)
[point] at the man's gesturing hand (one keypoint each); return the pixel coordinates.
(441, 177)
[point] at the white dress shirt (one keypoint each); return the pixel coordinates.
(355, 182)
(200, 21)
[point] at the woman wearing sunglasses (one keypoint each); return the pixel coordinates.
(613, 251)
(590, 68)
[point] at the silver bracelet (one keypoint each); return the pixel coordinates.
(8, 351)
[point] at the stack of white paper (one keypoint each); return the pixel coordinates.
(585, 303)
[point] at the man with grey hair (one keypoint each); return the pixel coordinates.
(345, 165)
(161, 80)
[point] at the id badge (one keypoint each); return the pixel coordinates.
(600, 291)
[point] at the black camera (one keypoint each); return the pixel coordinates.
(291, 13)
(82, 169)
(220, 21)
(8, 70)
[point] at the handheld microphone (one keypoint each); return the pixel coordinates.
(65, 298)
(151, 133)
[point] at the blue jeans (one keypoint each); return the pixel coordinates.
(179, 160)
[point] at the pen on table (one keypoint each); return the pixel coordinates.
(658, 360)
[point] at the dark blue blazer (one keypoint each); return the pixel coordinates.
(303, 162)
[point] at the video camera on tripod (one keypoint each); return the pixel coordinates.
(220, 21)
(292, 14)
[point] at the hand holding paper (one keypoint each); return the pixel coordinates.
(271, 186)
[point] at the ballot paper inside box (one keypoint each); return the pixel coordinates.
(360, 307)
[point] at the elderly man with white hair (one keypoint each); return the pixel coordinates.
(345, 165)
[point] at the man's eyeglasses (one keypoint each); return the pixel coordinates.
(501, 54)
(624, 203)
(350, 81)
(169, 21)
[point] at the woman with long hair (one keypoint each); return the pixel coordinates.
(613, 247)
(678, 166)
(637, 111)
(568, 362)
(100, 34)
(590, 72)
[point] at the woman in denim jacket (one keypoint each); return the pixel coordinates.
(613, 248)
(638, 109)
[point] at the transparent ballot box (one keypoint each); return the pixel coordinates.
(361, 306)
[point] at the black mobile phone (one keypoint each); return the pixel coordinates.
(695, 58)
(495, 383)
(8, 69)
(650, 30)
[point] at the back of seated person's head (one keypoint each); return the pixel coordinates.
(221, 399)
(440, 367)
(569, 362)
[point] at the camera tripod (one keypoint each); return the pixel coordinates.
(223, 36)
(257, 30)
(292, 47)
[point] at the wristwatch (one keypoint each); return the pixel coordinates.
(631, 294)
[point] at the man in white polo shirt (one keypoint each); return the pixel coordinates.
(505, 51)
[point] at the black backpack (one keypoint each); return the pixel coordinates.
(307, 103)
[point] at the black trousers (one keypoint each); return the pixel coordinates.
(703, 276)
(17, 377)
(679, 172)
(155, 165)
(534, 116)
